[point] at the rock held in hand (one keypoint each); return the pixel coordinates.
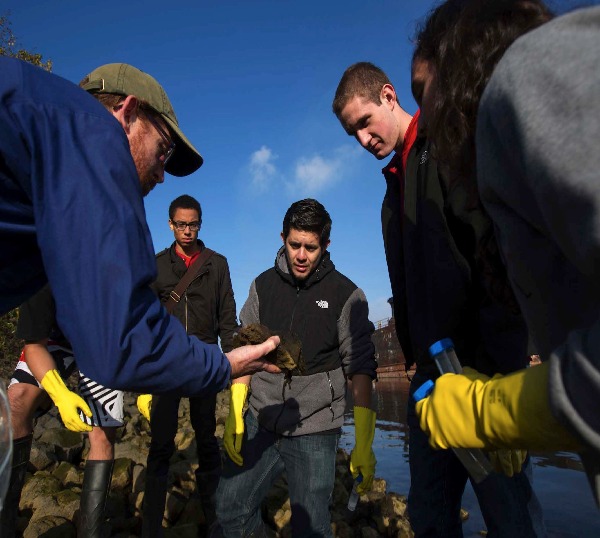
(287, 356)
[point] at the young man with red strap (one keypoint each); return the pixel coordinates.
(207, 310)
(429, 233)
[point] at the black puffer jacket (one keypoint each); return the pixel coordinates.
(330, 315)
(207, 308)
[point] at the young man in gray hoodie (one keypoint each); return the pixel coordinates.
(294, 424)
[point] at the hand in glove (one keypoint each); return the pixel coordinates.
(508, 461)
(504, 460)
(69, 404)
(234, 425)
(144, 404)
(471, 411)
(362, 459)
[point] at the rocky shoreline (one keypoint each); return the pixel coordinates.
(50, 499)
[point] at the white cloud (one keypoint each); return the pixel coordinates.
(317, 173)
(309, 175)
(261, 167)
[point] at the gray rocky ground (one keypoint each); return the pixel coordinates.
(50, 500)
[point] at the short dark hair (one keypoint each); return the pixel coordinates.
(185, 201)
(308, 215)
(362, 79)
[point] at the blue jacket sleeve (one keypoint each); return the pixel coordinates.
(73, 167)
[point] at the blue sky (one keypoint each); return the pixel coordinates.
(251, 82)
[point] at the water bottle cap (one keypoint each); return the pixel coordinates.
(423, 391)
(441, 345)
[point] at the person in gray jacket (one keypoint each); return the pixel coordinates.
(294, 425)
(534, 128)
(544, 199)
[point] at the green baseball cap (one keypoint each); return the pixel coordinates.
(124, 79)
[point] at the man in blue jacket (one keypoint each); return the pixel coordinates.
(66, 161)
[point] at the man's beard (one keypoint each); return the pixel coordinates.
(144, 171)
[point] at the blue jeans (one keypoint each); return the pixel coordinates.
(438, 479)
(309, 461)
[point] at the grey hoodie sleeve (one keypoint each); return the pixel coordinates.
(250, 313)
(538, 172)
(354, 329)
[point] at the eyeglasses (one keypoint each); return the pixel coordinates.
(181, 226)
(169, 144)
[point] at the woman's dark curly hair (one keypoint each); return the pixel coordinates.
(463, 40)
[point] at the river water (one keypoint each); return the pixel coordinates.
(558, 478)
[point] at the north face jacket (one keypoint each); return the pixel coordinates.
(330, 316)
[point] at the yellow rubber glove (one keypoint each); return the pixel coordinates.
(234, 425)
(362, 459)
(508, 461)
(68, 402)
(144, 404)
(504, 460)
(509, 411)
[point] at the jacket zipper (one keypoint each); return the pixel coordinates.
(294, 309)
(332, 395)
(283, 379)
(186, 298)
(186, 311)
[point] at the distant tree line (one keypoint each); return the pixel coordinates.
(9, 46)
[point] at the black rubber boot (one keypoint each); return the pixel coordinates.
(96, 485)
(20, 458)
(155, 494)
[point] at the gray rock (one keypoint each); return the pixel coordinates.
(138, 478)
(68, 445)
(42, 456)
(68, 474)
(63, 504)
(135, 449)
(121, 476)
(41, 484)
(50, 498)
(50, 527)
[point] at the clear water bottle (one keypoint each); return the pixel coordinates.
(444, 355)
(354, 495)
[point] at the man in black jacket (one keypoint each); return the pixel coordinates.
(431, 233)
(207, 310)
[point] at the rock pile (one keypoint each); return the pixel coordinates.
(50, 499)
